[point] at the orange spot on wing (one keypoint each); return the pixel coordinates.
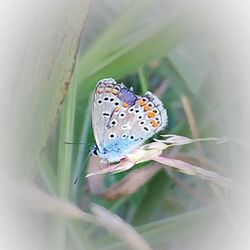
(108, 88)
(117, 109)
(100, 88)
(147, 107)
(154, 123)
(125, 105)
(151, 114)
(142, 102)
(115, 91)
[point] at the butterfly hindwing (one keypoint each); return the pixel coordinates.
(139, 121)
(122, 121)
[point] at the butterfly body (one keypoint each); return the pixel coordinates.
(115, 150)
(122, 121)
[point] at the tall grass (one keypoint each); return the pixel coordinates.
(166, 48)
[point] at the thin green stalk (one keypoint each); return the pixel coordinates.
(143, 80)
(78, 173)
(47, 174)
(65, 154)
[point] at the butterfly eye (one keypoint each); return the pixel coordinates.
(111, 99)
(99, 101)
(140, 117)
(105, 98)
(124, 136)
(95, 152)
(131, 137)
(146, 128)
(137, 111)
(112, 136)
(117, 103)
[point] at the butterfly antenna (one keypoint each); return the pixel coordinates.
(66, 142)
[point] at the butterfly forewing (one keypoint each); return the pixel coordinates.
(122, 121)
(130, 122)
(104, 103)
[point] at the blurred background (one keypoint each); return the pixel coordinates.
(194, 55)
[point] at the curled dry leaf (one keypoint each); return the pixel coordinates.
(120, 228)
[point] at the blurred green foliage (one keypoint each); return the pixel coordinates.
(159, 46)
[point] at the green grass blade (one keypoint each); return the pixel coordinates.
(44, 75)
(105, 44)
(143, 80)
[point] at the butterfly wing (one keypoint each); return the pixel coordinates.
(139, 121)
(122, 121)
(105, 100)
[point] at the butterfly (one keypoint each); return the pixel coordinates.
(122, 121)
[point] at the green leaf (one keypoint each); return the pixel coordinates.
(45, 74)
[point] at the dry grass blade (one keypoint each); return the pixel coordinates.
(177, 140)
(120, 228)
(113, 168)
(192, 123)
(95, 182)
(152, 151)
(131, 183)
(189, 169)
(32, 198)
